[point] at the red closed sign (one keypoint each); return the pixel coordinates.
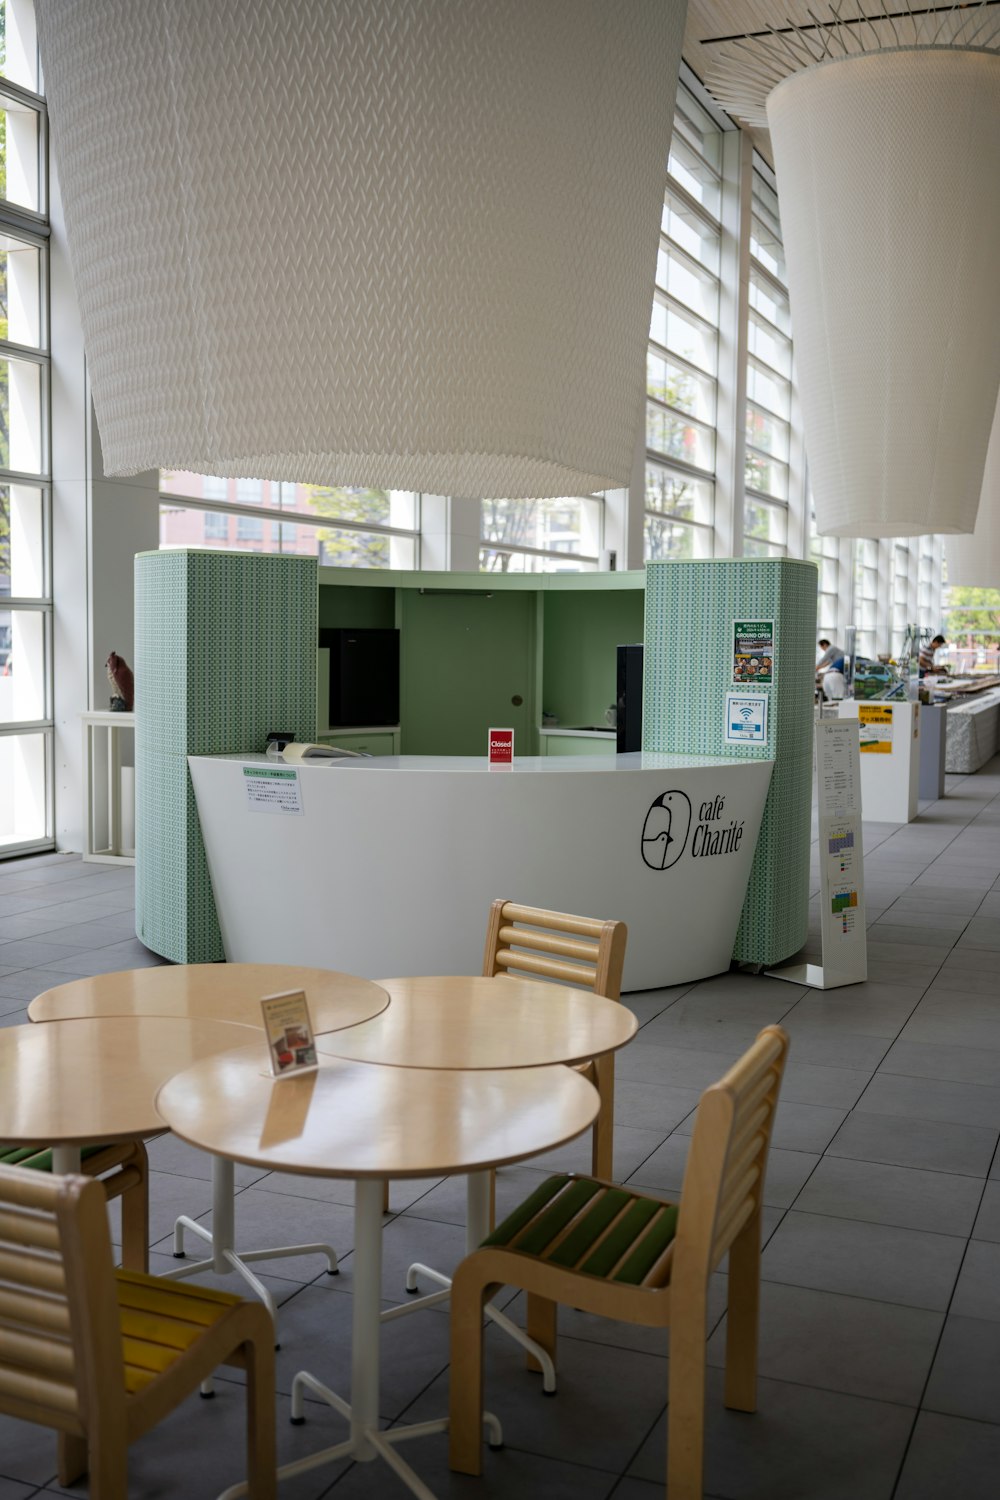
(501, 747)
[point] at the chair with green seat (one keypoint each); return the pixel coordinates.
(102, 1355)
(627, 1255)
(128, 1166)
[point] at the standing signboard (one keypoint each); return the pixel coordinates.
(841, 863)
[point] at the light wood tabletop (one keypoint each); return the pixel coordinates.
(361, 1120)
(77, 1082)
(469, 1022)
(213, 992)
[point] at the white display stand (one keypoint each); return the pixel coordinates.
(388, 866)
(890, 767)
(109, 790)
(841, 863)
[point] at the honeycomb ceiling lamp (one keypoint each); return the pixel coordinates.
(397, 243)
(886, 138)
(974, 561)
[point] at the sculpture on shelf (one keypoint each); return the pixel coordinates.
(123, 683)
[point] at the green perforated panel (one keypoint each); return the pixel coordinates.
(690, 611)
(225, 651)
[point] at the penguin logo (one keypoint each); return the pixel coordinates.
(665, 831)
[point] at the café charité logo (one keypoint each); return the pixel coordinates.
(667, 829)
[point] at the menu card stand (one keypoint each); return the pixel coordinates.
(841, 863)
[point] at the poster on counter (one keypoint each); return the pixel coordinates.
(290, 1040)
(875, 720)
(746, 719)
(500, 747)
(273, 789)
(753, 652)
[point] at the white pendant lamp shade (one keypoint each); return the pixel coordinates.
(888, 168)
(974, 561)
(391, 243)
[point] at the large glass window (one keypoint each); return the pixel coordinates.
(825, 553)
(769, 390)
(866, 592)
(540, 536)
(25, 499)
(342, 527)
(682, 364)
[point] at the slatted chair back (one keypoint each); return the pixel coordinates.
(531, 942)
(59, 1331)
(724, 1179)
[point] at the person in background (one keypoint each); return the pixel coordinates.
(830, 670)
(928, 653)
(832, 658)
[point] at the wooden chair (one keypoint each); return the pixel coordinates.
(529, 942)
(103, 1355)
(127, 1164)
(631, 1256)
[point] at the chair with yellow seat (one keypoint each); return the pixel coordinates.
(627, 1255)
(103, 1355)
(123, 1168)
(530, 942)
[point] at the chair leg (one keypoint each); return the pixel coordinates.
(71, 1457)
(686, 1407)
(385, 1196)
(542, 1327)
(743, 1319)
(107, 1469)
(602, 1155)
(262, 1455)
(465, 1421)
(135, 1227)
(493, 1199)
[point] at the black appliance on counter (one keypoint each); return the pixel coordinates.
(629, 698)
(364, 677)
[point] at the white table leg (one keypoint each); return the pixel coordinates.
(65, 1159)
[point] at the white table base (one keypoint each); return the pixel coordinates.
(366, 1441)
(222, 1238)
(477, 1227)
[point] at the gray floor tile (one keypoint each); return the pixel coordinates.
(908, 1142)
(956, 1064)
(977, 1294)
(835, 1088)
(885, 932)
(833, 1048)
(840, 1012)
(949, 1456)
(831, 1254)
(652, 1106)
(962, 958)
(631, 1147)
(800, 1444)
(671, 1066)
(11, 1489)
(904, 1196)
(663, 1172)
(982, 932)
(840, 1343)
(942, 927)
(932, 1099)
(797, 1127)
(127, 955)
(506, 1472)
(965, 1379)
(988, 1220)
(950, 1030)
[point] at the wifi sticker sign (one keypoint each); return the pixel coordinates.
(746, 719)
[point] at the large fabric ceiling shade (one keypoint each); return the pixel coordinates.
(888, 169)
(398, 243)
(974, 561)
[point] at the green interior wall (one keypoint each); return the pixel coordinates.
(690, 610)
(357, 608)
(580, 636)
(225, 652)
(463, 658)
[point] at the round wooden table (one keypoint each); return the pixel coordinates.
(367, 1122)
(85, 1081)
(216, 992)
(459, 1021)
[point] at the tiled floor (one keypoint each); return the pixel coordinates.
(880, 1349)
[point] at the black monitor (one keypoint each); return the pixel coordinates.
(629, 698)
(364, 677)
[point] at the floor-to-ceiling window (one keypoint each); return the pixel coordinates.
(25, 498)
(342, 527)
(682, 362)
(769, 383)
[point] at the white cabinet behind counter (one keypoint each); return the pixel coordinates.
(388, 866)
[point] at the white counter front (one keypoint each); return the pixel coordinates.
(388, 866)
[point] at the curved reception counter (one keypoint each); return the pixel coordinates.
(388, 866)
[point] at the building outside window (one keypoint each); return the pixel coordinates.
(682, 363)
(341, 527)
(540, 536)
(26, 725)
